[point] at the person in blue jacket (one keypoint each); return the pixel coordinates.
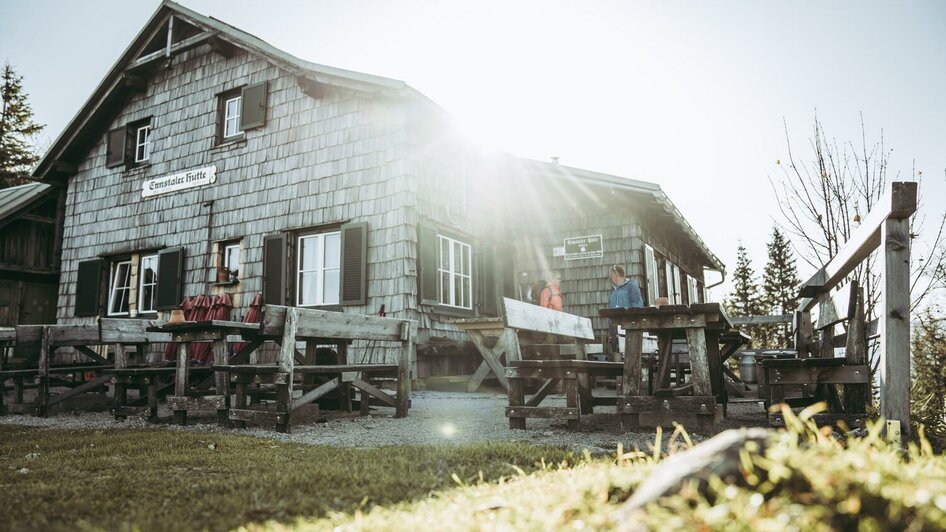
(624, 294)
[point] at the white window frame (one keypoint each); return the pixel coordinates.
(113, 286)
(227, 263)
(447, 296)
(234, 118)
(142, 284)
(319, 270)
(143, 146)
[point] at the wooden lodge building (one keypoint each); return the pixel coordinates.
(208, 162)
(30, 238)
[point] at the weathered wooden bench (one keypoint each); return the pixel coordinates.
(522, 324)
(817, 369)
(36, 346)
(286, 326)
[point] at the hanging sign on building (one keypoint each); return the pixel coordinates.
(181, 181)
(584, 247)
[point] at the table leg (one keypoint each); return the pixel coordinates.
(121, 396)
(344, 389)
(631, 379)
(242, 381)
(181, 378)
(153, 383)
(572, 401)
(699, 362)
(517, 397)
(222, 381)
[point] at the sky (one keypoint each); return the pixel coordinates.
(694, 96)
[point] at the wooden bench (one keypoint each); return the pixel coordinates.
(286, 326)
(521, 323)
(35, 347)
(817, 369)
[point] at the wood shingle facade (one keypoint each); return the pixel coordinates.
(209, 162)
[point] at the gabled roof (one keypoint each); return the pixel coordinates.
(150, 48)
(651, 191)
(14, 200)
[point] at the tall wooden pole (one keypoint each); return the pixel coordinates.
(894, 324)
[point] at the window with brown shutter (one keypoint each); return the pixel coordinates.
(170, 279)
(88, 287)
(115, 147)
(354, 263)
(428, 244)
(253, 112)
(274, 270)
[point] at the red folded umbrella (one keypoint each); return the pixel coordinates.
(219, 310)
(170, 350)
(253, 315)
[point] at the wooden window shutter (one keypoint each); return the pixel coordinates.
(88, 287)
(170, 279)
(253, 111)
(354, 258)
(115, 147)
(486, 264)
(428, 245)
(274, 270)
(650, 274)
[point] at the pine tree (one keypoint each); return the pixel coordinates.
(780, 284)
(17, 128)
(928, 391)
(745, 299)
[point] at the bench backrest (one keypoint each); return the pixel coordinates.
(524, 316)
(336, 325)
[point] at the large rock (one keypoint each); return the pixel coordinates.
(716, 457)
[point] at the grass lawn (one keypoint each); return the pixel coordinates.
(168, 480)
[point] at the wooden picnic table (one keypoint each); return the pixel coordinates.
(697, 403)
(217, 333)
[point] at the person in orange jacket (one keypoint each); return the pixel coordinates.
(552, 293)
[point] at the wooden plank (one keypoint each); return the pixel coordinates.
(857, 396)
(182, 374)
(335, 325)
(312, 395)
(328, 369)
(516, 400)
(542, 392)
(682, 320)
(547, 412)
(482, 371)
(489, 355)
(221, 382)
(894, 314)
(178, 403)
(374, 392)
(42, 389)
(95, 357)
(259, 417)
(813, 376)
(74, 335)
(824, 420)
(83, 388)
(125, 331)
(526, 316)
(176, 48)
(898, 202)
(685, 404)
(837, 307)
(740, 321)
(664, 347)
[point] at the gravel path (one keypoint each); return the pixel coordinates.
(435, 417)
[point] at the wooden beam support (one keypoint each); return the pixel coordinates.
(894, 314)
(172, 50)
(898, 203)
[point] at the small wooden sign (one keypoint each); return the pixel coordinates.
(584, 247)
(181, 181)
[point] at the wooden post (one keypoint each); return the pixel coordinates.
(894, 326)
(152, 382)
(42, 388)
(181, 380)
(221, 378)
(857, 395)
(631, 378)
(121, 383)
(285, 364)
(404, 371)
(699, 362)
(516, 397)
(572, 399)
(344, 389)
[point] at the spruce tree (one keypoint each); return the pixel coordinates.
(17, 129)
(745, 299)
(780, 283)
